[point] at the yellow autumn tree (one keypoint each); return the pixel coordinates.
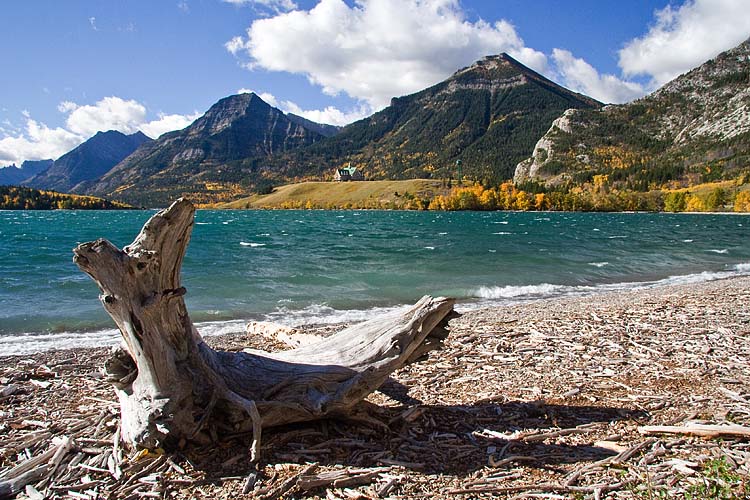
(742, 202)
(488, 199)
(522, 201)
(437, 203)
(694, 204)
(540, 202)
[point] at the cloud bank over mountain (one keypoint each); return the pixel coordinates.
(38, 141)
(374, 50)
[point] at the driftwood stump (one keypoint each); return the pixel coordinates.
(173, 388)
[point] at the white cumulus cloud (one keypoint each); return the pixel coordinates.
(377, 49)
(330, 115)
(110, 113)
(582, 77)
(37, 141)
(686, 36)
(167, 123)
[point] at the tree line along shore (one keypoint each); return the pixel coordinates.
(428, 194)
(729, 196)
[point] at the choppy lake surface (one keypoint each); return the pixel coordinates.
(299, 267)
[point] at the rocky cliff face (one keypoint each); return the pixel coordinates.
(90, 160)
(693, 128)
(544, 148)
(229, 143)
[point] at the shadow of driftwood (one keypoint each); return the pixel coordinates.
(446, 439)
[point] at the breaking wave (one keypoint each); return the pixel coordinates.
(547, 290)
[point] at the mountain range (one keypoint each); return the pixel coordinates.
(90, 160)
(15, 176)
(489, 115)
(498, 117)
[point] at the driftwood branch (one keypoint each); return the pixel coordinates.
(172, 387)
(701, 430)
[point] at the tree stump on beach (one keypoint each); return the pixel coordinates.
(173, 388)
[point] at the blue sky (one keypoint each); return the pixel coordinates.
(71, 68)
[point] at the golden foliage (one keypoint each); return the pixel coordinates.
(694, 203)
(742, 202)
(616, 157)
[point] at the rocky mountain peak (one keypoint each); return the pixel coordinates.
(226, 111)
(232, 141)
(491, 63)
(710, 100)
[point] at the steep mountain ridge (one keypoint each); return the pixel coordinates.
(15, 176)
(695, 128)
(230, 142)
(88, 161)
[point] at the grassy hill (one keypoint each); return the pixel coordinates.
(366, 194)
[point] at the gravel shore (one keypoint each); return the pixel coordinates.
(550, 399)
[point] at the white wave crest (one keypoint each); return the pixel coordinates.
(598, 264)
(722, 251)
(534, 292)
(29, 343)
(510, 291)
(246, 244)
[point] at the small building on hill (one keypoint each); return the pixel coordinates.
(348, 174)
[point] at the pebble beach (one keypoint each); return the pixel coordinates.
(638, 394)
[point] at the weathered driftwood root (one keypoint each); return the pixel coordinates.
(173, 388)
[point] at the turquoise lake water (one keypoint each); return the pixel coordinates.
(299, 267)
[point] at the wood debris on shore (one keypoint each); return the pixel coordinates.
(641, 394)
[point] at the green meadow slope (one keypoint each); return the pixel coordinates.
(366, 194)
